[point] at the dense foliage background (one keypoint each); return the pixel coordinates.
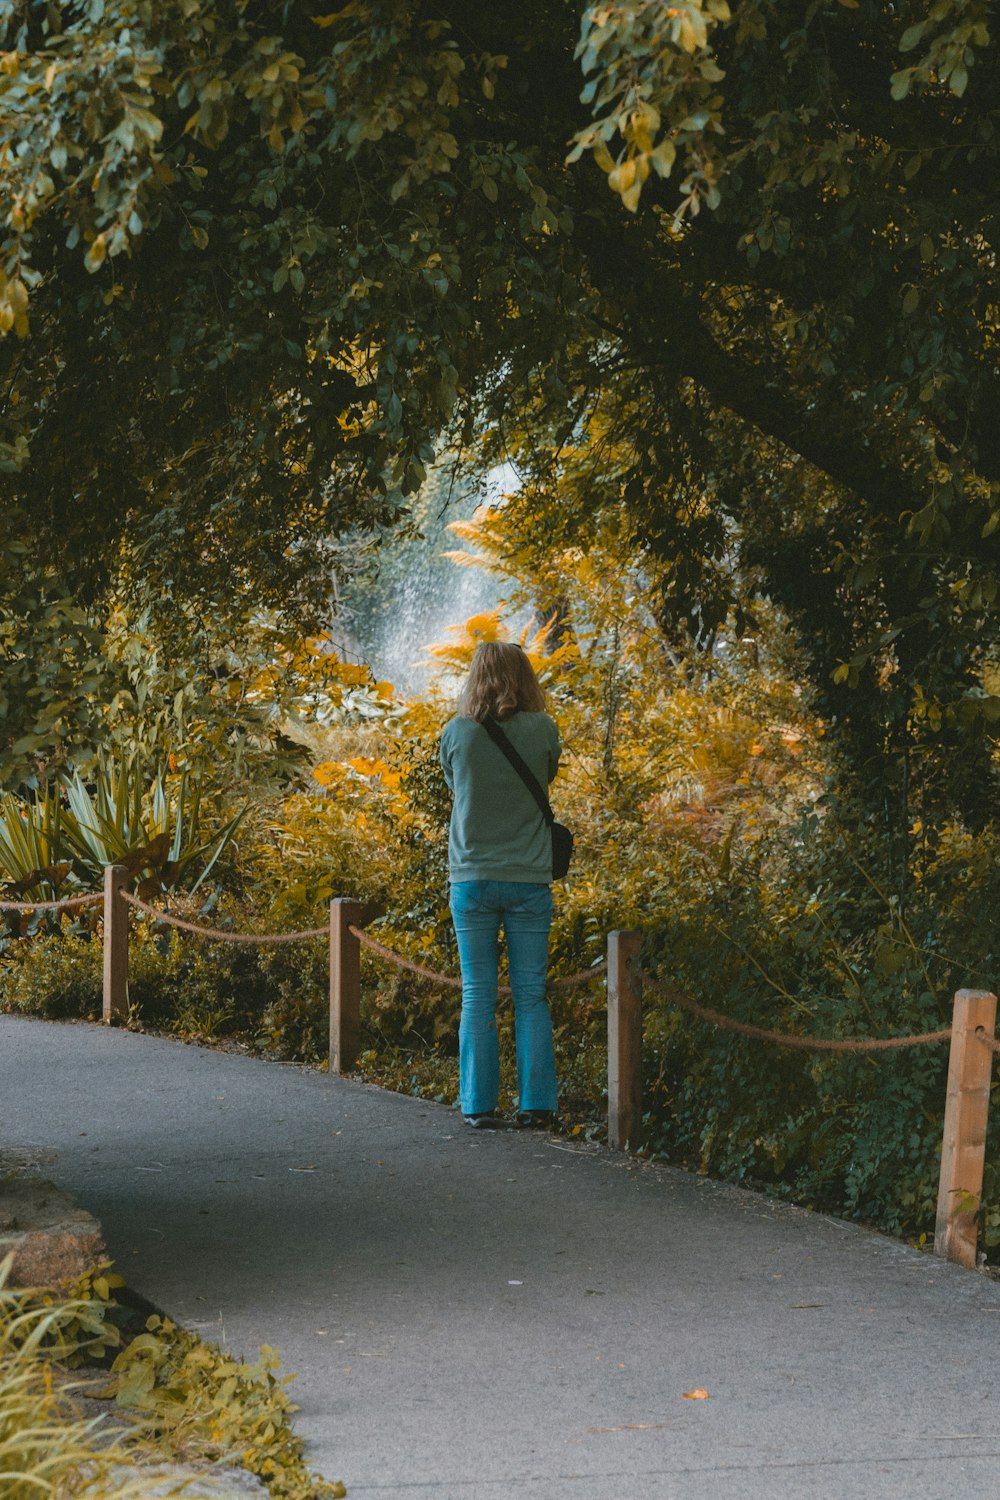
(719, 290)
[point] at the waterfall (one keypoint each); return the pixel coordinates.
(412, 594)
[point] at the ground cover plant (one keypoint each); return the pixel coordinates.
(178, 1398)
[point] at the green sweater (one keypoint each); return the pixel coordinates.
(497, 831)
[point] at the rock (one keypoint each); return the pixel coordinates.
(168, 1481)
(52, 1239)
(22, 1161)
(123, 1473)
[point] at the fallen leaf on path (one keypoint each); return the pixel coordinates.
(698, 1395)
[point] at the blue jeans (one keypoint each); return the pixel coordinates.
(524, 909)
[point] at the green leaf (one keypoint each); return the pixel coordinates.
(911, 36)
(663, 157)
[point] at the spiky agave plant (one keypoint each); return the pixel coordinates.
(121, 819)
(32, 844)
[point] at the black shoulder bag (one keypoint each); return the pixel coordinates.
(562, 839)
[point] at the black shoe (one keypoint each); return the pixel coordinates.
(534, 1119)
(482, 1122)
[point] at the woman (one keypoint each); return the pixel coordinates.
(500, 863)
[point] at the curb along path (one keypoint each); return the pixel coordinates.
(477, 1315)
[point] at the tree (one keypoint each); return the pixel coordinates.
(260, 259)
(830, 288)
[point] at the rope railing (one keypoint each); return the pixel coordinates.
(967, 1094)
(568, 981)
(401, 962)
(970, 1067)
(67, 903)
(222, 935)
(792, 1039)
(218, 934)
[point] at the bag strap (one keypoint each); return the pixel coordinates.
(528, 776)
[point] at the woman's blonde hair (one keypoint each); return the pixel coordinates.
(501, 682)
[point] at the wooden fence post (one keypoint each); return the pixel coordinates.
(115, 1006)
(624, 1041)
(345, 985)
(963, 1149)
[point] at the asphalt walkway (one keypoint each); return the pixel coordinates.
(476, 1316)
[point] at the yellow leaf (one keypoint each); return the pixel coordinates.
(695, 1395)
(485, 627)
(366, 766)
(603, 157)
(622, 178)
(96, 254)
(329, 773)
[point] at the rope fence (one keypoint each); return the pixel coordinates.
(400, 962)
(449, 980)
(973, 1046)
(569, 981)
(68, 903)
(972, 1035)
(220, 935)
(791, 1039)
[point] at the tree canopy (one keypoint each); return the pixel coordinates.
(725, 281)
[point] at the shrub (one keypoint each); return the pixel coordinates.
(53, 975)
(276, 997)
(197, 1404)
(44, 1449)
(801, 938)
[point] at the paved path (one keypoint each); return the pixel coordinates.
(475, 1317)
